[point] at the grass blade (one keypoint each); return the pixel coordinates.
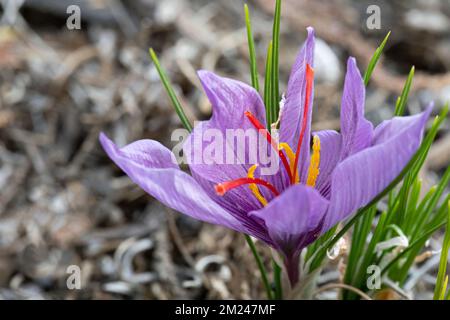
(441, 281)
(251, 50)
(268, 86)
(275, 63)
(261, 267)
(359, 237)
(277, 280)
(401, 101)
(374, 60)
(169, 89)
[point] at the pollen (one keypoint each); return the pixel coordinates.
(291, 156)
(313, 170)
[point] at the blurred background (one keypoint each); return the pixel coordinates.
(63, 202)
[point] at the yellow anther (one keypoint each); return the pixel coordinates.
(291, 156)
(313, 171)
(254, 188)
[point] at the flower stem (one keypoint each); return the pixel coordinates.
(277, 280)
(261, 267)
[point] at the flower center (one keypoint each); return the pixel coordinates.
(291, 165)
(261, 129)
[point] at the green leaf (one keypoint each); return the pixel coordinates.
(441, 281)
(277, 280)
(401, 101)
(413, 217)
(169, 89)
(268, 86)
(275, 63)
(261, 267)
(441, 214)
(374, 60)
(251, 50)
(444, 290)
(359, 237)
(411, 205)
(431, 204)
(370, 254)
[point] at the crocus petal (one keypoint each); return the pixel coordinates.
(356, 131)
(330, 151)
(364, 175)
(292, 112)
(151, 166)
(230, 100)
(294, 218)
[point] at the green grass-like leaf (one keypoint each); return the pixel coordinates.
(277, 280)
(261, 267)
(373, 62)
(442, 281)
(268, 86)
(401, 101)
(359, 237)
(170, 91)
(251, 50)
(369, 254)
(275, 96)
(434, 198)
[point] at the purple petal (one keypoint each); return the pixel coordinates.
(230, 100)
(292, 111)
(355, 129)
(151, 166)
(330, 151)
(293, 219)
(364, 175)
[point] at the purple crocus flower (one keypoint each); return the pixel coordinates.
(312, 190)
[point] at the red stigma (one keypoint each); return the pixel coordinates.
(309, 82)
(224, 187)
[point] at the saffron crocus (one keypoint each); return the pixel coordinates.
(314, 188)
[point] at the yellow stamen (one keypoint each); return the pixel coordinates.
(313, 171)
(291, 156)
(254, 188)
